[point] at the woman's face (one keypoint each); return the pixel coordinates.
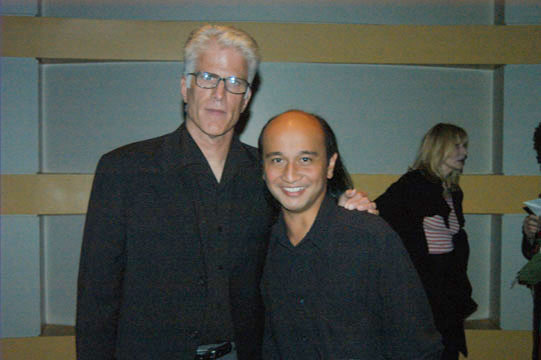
(456, 159)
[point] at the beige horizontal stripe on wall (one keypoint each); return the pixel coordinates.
(483, 194)
(45, 194)
(482, 345)
(68, 194)
(70, 38)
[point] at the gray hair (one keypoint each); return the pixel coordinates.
(226, 36)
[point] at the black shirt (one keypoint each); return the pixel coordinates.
(347, 291)
(172, 259)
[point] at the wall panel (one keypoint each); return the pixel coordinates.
(19, 276)
(337, 11)
(19, 116)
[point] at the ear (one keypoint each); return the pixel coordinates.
(184, 89)
(246, 99)
(330, 167)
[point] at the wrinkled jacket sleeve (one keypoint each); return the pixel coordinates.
(101, 266)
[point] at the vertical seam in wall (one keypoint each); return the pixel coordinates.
(41, 220)
(41, 126)
(42, 274)
(499, 12)
(497, 119)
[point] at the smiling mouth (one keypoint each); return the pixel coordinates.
(293, 190)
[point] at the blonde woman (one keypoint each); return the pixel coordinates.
(425, 207)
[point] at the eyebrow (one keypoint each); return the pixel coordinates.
(304, 152)
(274, 153)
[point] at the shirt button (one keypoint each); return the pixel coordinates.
(202, 281)
(301, 301)
(194, 334)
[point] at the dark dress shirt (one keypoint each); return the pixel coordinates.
(172, 259)
(348, 290)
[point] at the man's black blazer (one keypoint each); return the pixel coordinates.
(141, 286)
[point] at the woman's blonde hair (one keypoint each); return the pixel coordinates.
(436, 146)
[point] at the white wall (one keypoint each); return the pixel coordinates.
(443, 12)
(20, 276)
(19, 235)
(522, 12)
(87, 107)
(19, 7)
(19, 113)
(378, 112)
(522, 114)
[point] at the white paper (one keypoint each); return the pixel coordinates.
(534, 206)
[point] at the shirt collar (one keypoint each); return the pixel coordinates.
(318, 233)
(181, 151)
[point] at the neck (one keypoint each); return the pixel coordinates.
(298, 224)
(214, 148)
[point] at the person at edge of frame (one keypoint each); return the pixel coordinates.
(530, 246)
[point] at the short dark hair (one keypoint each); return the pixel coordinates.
(341, 180)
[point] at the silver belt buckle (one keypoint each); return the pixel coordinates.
(214, 351)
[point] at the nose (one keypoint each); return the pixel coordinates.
(290, 174)
(219, 90)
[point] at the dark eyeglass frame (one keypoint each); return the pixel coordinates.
(226, 81)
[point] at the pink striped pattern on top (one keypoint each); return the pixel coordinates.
(439, 237)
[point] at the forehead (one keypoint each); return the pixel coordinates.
(458, 139)
(294, 131)
(224, 61)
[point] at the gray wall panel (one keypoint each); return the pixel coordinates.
(338, 11)
(523, 11)
(19, 7)
(89, 109)
(62, 239)
(379, 113)
(19, 121)
(19, 276)
(516, 301)
(522, 113)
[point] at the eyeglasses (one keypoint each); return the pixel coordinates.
(233, 84)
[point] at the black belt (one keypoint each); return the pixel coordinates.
(215, 352)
